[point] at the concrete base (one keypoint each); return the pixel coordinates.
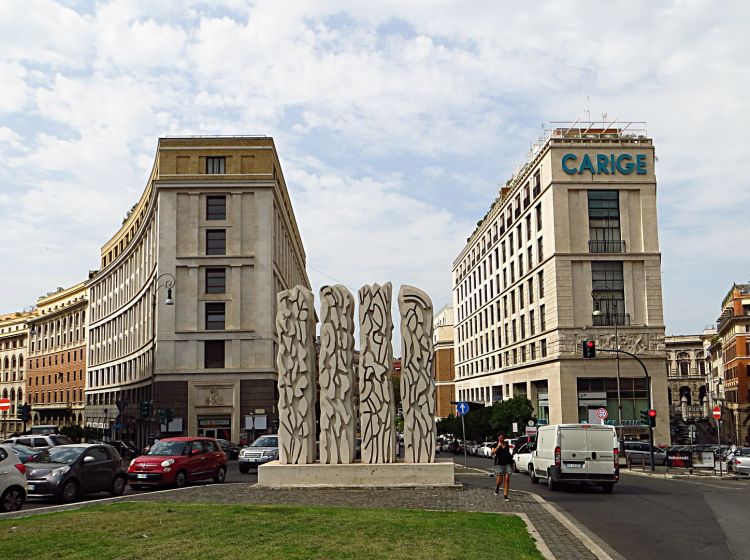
(356, 475)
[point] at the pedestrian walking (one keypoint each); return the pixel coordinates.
(503, 465)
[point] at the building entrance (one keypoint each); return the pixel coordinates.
(219, 427)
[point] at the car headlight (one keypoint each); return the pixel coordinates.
(167, 462)
(131, 462)
(269, 453)
(59, 471)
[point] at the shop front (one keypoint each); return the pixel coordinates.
(219, 427)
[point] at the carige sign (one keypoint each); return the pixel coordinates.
(604, 164)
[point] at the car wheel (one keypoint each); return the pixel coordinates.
(221, 475)
(515, 467)
(118, 486)
(532, 474)
(530, 470)
(180, 480)
(12, 499)
(68, 492)
(607, 488)
(551, 484)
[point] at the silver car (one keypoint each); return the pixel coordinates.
(262, 450)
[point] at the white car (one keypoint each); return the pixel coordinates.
(485, 450)
(12, 480)
(522, 458)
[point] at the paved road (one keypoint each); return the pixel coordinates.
(654, 518)
(233, 475)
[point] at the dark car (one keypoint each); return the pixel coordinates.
(177, 461)
(65, 472)
(24, 453)
(231, 449)
(126, 449)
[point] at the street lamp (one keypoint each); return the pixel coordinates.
(597, 313)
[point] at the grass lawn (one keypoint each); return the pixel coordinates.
(164, 531)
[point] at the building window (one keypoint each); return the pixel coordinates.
(604, 222)
(543, 348)
(216, 165)
(540, 283)
(215, 316)
(542, 319)
(216, 207)
(531, 290)
(538, 217)
(213, 354)
(216, 280)
(539, 249)
(532, 349)
(608, 292)
(532, 326)
(216, 242)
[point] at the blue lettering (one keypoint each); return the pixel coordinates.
(586, 164)
(640, 164)
(601, 164)
(627, 168)
(565, 159)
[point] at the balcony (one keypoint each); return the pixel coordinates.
(606, 246)
(611, 319)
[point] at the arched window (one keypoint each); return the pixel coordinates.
(685, 394)
(20, 395)
(6, 362)
(12, 394)
(5, 393)
(13, 362)
(20, 360)
(683, 363)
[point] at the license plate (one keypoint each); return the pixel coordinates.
(31, 487)
(142, 476)
(574, 465)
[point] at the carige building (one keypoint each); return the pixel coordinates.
(568, 252)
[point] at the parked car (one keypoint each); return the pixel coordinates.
(12, 480)
(261, 451)
(24, 453)
(637, 452)
(126, 449)
(485, 450)
(581, 453)
(40, 442)
(740, 463)
(64, 472)
(178, 460)
(522, 458)
(231, 449)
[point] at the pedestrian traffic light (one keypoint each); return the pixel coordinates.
(145, 409)
(589, 349)
(652, 418)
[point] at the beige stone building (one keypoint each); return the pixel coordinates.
(687, 377)
(568, 252)
(191, 277)
(14, 334)
(57, 357)
(443, 363)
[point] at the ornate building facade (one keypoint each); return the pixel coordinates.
(568, 252)
(182, 310)
(57, 358)
(687, 376)
(13, 362)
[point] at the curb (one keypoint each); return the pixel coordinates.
(683, 476)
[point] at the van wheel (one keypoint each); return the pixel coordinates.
(551, 484)
(608, 487)
(530, 470)
(532, 474)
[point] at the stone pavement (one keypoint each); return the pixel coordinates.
(563, 544)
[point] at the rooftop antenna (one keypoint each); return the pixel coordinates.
(588, 108)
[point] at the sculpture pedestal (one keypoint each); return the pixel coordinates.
(356, 475)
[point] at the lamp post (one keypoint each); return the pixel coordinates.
(168, 283)
(597, 313)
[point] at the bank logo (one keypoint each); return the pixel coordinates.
(604, 164)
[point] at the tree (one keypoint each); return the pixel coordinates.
(504, 413)
(74, 432)
(450, 425)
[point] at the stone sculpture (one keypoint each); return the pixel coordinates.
(336, 375)
(376, 406)
(417, 382)
(295, 361)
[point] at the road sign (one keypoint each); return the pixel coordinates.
(530, 423)
(716, 412)
(515, 427)
(462, 408)
(4, 404)
(602, 413)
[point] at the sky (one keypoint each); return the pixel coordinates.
(395, 122)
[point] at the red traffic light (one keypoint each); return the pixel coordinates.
(652, 413)
(590, 344)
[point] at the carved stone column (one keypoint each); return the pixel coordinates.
(376, 406)
(417, 381)
(336, 375)
(295, 361)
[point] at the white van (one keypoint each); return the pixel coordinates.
(583, 453)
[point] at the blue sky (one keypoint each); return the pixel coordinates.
(395, 122)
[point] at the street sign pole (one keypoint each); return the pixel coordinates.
(463, 429)
(718, 440)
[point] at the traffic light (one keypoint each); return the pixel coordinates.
(589, 349)
(652, 418)
(146, 409)
(25, 413)
(644, 418)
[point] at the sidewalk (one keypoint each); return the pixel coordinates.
(558, 540)
(674, 472)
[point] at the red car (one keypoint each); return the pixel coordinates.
(178, 460)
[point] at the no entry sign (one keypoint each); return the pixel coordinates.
(4, 405)
(602, 413)
(716, 412)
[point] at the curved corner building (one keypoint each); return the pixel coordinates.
(182, 311)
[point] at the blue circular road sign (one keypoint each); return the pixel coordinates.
(462, 408)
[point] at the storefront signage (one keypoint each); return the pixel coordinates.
(604, 164)
(214, 422)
